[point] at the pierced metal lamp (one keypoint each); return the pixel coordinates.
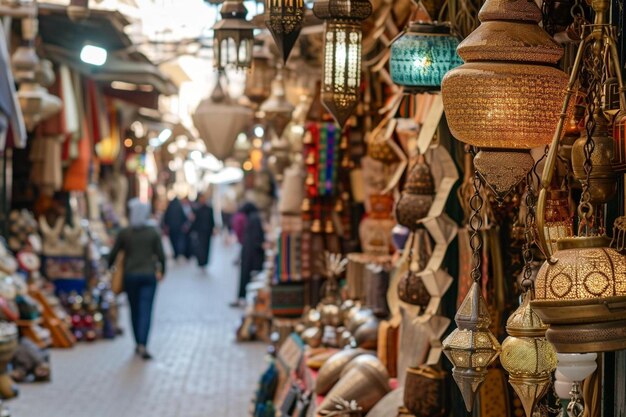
(284, 21)
(341, 77)
(422, 55)
(508, 95)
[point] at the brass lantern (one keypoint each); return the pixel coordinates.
(581, 294)
(471, 347)
(78, 10)
(233, 37)
(527, 356)
(341, 77)
(277, 108)
(284, 21)
(507, 95)
(259, 79)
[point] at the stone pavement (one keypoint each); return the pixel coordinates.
(198, 370)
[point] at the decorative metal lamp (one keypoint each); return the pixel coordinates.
(422, 55)
(507, 95)
(576, 368)
(527, 356)
(78, 10)
(219, 122)
(233, 37)
(259, 79)
(341, 78)
(284, 21)
(472, 347)
(277, 108)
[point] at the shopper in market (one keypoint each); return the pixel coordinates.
(202, 230)
(252, 252)
(144, 265)
(174, 222)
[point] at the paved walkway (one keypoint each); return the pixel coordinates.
(198, 369)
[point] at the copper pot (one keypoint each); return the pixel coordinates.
(331, 370)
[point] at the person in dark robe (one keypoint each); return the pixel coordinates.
(202, 230)
(174, 221)
(252, 252)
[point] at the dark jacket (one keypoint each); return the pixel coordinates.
(143, 250)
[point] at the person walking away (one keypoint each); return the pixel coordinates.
(202, 230)
(174, 221)
(228, 205)
(144, 266)
(188, 209)
(252, 252)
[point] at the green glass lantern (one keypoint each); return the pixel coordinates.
(422, 55)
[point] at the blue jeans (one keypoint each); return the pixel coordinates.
(140, 290)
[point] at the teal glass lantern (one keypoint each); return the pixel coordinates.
(422, 55)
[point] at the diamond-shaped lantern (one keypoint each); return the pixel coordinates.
(527, 356)
(284, 21)
(341, 78)
(233, 37)
(471, 347)
(219, 121)
(277, 108)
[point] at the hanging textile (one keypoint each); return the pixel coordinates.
(9, 105)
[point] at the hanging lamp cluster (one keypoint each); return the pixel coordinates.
(341, 72)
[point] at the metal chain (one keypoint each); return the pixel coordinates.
(476, 225)
(529, 232)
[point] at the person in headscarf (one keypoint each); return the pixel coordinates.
(202, 230)
(252, 252)
(175, 220)
(144, 266)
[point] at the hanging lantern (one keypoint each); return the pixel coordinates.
(527, 356)
(576, 368)
(284, 21)
(78, 10)
(233, 37)
(582, 296)
(422, 55)
(277, 108)
(508, 94)
(471, 347)
(341, 78)
(219, 122)
(259, 79)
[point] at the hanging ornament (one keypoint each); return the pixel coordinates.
(422, 55)
(284, 21)
(472, 347)
(277, 108)
(219, 121)
(259, 79)
(508, 94)
(417, 196)
(341, 77)
(527, 356)
(233, 37)
(576, 368)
